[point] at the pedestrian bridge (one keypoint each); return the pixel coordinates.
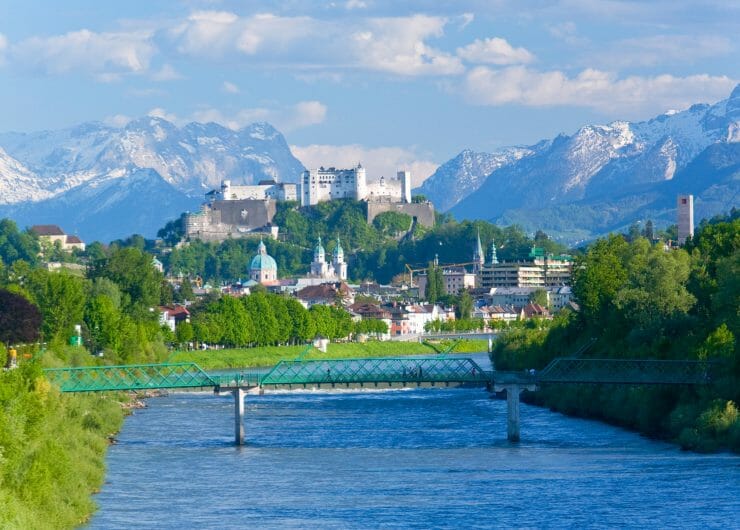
(386, 372)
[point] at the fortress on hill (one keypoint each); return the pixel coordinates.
(248, 210)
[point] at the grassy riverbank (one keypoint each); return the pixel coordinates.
(52, 450)
(271, 355)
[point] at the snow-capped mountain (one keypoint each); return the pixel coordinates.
(62, 171)
(457, 178)
(604, 177)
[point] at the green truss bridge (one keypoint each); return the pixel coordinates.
(439, 371)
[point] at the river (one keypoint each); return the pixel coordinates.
(400, 459)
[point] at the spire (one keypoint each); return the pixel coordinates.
(494, 257)
(261, 248)
(338, 251)
(318, 252)
(478, 255)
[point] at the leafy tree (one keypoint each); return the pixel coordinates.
(103, 319)
(392, 223)
(539, 296)
(16, 245)
(599, 276)
(263, 318)
(303, 326)
(464, 305)
(132, 270)
(174, 231)
(184, 332)
(186, 290)
(321, 316)
(20, 320)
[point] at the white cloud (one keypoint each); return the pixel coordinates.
(286, 119)
(219, 33)
(494, 51)
(230, 88)
(166, 73)
(568, 33)
(603, 91)
(397, 45)
(159, 112)
(117, 120)
(465, 19)
(106, 55)
(355, 4)
(3, 47)
(379, 161)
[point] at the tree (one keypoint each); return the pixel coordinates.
(261, 313)
(132, 270)
(649, 232)
(184, 332)
(186, 290)
(16, 245)
(20, 320)
(103, 319)
(303, 326)
(464, 305)
(599, 275)
(539, 296)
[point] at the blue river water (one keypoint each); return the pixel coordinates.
(424, 458)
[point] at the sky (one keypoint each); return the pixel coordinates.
(393, 84)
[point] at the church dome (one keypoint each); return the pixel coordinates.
(263, 261)
(338, 250)
(318, 251)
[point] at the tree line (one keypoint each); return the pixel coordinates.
(639, 300)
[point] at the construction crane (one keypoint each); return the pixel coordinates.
(444, 266)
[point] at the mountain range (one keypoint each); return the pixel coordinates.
(603, 177)
(105, 182)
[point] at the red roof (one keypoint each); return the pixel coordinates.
(47, 230)
(73, 240)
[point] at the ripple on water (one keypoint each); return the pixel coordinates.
(399, 459)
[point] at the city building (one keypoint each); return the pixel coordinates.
(455, 279)
(544, 270)
(263, 268)
(685, 204)
(234, 218)
(170, 316)
(52, 234)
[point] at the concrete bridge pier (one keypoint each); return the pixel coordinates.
(239, 416)
(512, 406)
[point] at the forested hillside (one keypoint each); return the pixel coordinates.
(376, 251)
(640, 301)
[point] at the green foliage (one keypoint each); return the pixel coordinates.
(392, 223)
(132, 270)
(52, 450)
(539, 296)
(16, 245)
(464, 306)
(641, 301)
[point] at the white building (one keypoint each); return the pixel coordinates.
(333, 271)
(322, 184)
(266, 189)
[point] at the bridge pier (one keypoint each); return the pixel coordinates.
(239, 416)
(513, 422)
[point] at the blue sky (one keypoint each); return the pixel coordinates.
(393, 84)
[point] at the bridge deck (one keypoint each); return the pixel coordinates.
(404, 371)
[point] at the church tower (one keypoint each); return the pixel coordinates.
(319, 267)
(478, 256)
(340, 266)
(494, 257)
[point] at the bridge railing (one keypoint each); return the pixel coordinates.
(628, 371)
(129, 377)
(376, 370)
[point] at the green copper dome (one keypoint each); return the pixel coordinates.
(263, 261)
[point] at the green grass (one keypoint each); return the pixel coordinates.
(270, 355)
(52, 450)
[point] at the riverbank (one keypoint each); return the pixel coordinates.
(267, 356)
(52, 450)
